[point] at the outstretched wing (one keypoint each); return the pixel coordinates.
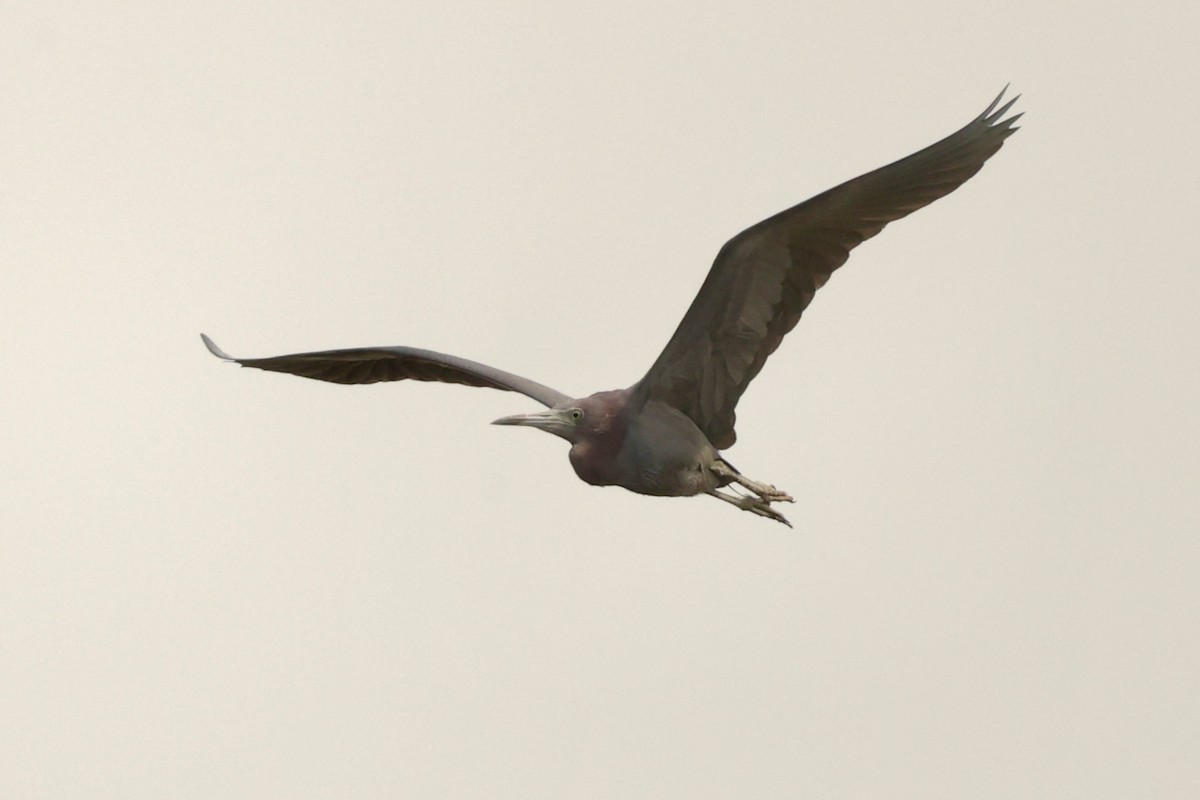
(375, 364)
(764, 278)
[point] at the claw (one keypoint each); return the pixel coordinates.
(752, 504)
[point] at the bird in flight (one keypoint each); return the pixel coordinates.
(664, 434)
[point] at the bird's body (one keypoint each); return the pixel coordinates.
(656, 450)
(663, 435)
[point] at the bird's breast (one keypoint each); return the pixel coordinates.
(595, 463)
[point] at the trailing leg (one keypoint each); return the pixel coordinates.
(767, 492)
(751, 504)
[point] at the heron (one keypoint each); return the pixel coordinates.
(665, 435)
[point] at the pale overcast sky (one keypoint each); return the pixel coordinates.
(221, 583)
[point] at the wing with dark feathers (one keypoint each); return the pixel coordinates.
(764, 278)
(375, 364)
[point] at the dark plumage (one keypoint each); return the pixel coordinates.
(661, 436)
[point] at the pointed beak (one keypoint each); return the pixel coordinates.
(549, 420)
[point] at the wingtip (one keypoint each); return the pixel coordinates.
(216, 351)
(992, 105)
(993, 115)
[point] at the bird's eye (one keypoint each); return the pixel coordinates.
(576, 414)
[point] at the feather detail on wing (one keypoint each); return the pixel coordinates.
(764, 278)
(377, 364)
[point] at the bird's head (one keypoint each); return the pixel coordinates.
(574, 420)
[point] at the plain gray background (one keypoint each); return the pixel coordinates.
(221, 583)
